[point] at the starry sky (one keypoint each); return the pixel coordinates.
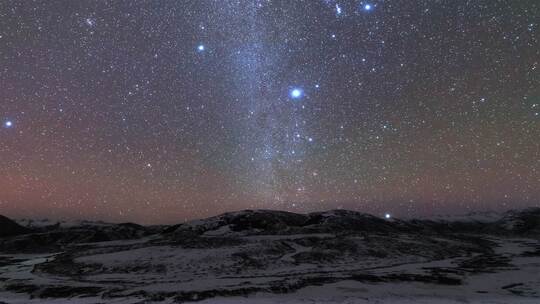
(163, 111)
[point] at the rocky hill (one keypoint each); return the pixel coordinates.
(11, 228)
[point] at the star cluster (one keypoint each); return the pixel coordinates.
(158, 112)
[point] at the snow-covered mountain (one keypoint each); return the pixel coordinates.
(275, 255)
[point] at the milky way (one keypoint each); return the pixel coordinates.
(161, 111)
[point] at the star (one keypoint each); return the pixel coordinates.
(201, 48)
(90, 22)
(368, 7)
(8, 124)
(338, 10)
(387, 216)
(296, 93)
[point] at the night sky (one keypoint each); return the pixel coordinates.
(162, 111)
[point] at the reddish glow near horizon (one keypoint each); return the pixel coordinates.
(156, 114)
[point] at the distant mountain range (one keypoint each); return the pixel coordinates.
(46, 235)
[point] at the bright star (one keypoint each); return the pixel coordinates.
(387, 216)
(201, 48)
(368, 7)
(8, 124)
(338, 9)
(296, 93)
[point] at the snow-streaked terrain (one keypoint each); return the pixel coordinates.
(269, 257)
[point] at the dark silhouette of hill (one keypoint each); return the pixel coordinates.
(9, 227)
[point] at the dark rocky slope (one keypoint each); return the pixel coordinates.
(11, 228)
